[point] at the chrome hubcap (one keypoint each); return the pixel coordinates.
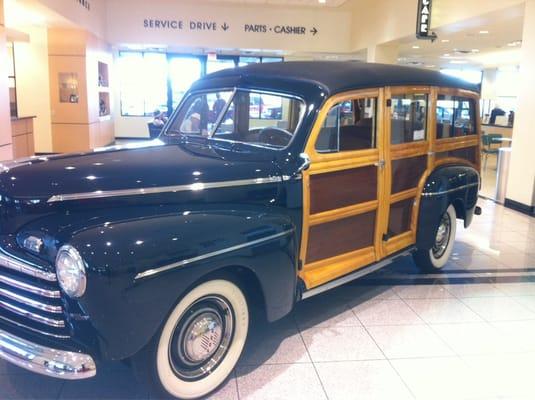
(442, 237)
(201, 338)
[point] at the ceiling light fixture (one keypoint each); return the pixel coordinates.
(445, 40)
(322, 1)
(483, 32)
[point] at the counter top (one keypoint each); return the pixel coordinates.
(24, 117)
(498, 126)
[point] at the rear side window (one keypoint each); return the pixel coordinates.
(350, 125)
(408, 118)
(455, 116)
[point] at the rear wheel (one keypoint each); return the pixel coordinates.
(200, 343)
(436, 257)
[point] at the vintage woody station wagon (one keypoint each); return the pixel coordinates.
(269, 184)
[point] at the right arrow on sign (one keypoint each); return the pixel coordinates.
(314, 31)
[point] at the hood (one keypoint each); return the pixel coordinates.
(155, 164)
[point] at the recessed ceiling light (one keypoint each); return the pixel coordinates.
(515, 43)
(483, 32)
(458, 62)
(447, 55)
(430, 66)
(415, 47)
(445, 40)
(322, 1)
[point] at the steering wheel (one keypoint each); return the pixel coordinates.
(274, 136)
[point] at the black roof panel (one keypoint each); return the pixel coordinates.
(338, 76)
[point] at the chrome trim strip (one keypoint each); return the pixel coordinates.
(162, 189)
(9, 261)
(432, 194)
(56, 323)
(155, 271)
(31, 302)
(39, 331)
(45, 360)
(51, 294)
(352, 276)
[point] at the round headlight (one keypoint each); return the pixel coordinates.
(70, 269)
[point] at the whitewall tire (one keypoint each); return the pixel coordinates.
(202, 340)
(436, 257)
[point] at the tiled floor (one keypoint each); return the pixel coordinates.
(465, 333)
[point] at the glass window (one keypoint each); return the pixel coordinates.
(242, 120)
(248, 60)
(143, 83)
(455, 116)
(200, 114)
(183, 71)
(350, 125)
(219, 64)
(408, 118)
(272, 59)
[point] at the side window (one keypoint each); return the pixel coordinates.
(349, 125)
(408, 118)
(455, 116)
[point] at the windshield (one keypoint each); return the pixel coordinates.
(242, 116)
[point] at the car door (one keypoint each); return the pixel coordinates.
(408, 126)
(343, 187)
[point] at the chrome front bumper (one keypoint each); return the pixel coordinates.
(45, 360)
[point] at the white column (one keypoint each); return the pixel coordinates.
(521, 182)
(6, 152)
(383, 53)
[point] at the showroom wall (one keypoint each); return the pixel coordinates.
(5, 123)
(33, 91)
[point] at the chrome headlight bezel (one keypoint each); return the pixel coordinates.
(71, 276)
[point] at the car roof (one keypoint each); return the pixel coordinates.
(333, 76)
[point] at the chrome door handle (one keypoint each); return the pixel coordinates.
(380, 164)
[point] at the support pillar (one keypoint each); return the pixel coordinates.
(520, 193)
(6, 151)
(383, 53)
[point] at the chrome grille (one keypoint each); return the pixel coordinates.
(30, 297)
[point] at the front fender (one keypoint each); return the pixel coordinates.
(127, 311)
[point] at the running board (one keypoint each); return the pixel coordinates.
(357, 274)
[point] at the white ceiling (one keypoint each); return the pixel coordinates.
(486, 41)
(295, 3)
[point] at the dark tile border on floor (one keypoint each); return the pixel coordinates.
(520, 207)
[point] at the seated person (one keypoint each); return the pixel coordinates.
(158, 118)
(192, 124)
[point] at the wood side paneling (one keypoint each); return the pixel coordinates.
(400, 217)
(339, 189)
(466, 153)
(406, 172)
(342, 236)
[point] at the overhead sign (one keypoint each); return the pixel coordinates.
(196, 25)
(181, 24)
(423, 22)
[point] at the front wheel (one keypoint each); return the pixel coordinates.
(201, 341)
(435, 258)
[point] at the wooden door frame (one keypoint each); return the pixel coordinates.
(401, 151)
(317, 273)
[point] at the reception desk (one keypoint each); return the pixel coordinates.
(504, 130)
(22, 136)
